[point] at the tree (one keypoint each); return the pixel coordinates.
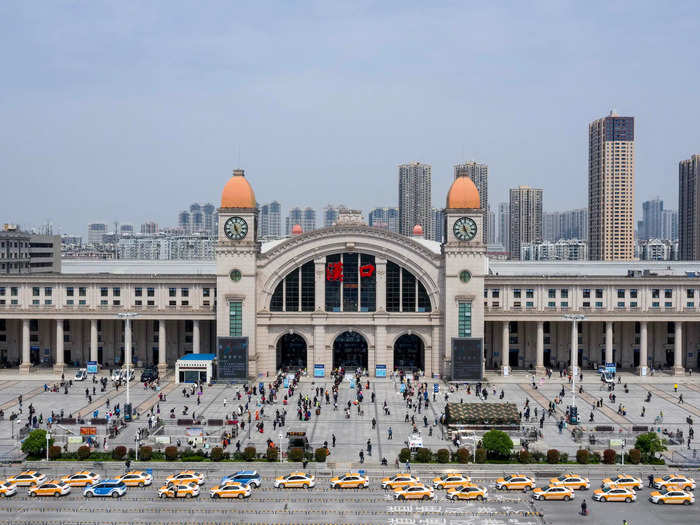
(498, 442)
(35, 443)
(649, 445)
(553, 456)
(320, 454)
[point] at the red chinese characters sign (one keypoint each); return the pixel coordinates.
(334, 271)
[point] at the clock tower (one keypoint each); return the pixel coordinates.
(236, 256)
(465, 268)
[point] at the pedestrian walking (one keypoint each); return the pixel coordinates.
(389, 432)
(333, 438)
(362, 456)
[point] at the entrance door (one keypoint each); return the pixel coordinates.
(513, 358)
(350, 351)
(409, 353)
(669, 357)
(99, 355)
(636, 358)
(547, 358)
(291, 352)
(154, 356)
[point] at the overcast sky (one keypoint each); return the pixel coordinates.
(131, 110)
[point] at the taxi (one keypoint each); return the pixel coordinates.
(515, 482)
(81, 479)
(553, 493)
(26, 478)
(136, 478)
(295, 480)
(179, 490)
(231, 489)
(399, 480)
(417, 491)
(451, 480)
(351, 480)
(671, 497)
(186, 476)
(615, 493)
(467, 492)
(7, 490)
(571, 481)
(54, 488)
(674, 481)
(623, 480)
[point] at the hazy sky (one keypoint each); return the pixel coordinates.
(131, 110)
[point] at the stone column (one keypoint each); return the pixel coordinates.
(60, 357)
(435, 353)
(539, 367)
(26, 362)
(574, 346)
(93, 340)
(608, 341)
(380, 265)
(678, 350)
(320, 284)
(505, 348)
(195, 336)
(319, 354)
(162, 360)
(643, 348)
(128, 359)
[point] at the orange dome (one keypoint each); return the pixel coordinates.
(296, 230)
(463, 194)
(238, 193)
(418, 229)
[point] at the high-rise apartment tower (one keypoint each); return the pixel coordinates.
(415, 198)
(689, 209)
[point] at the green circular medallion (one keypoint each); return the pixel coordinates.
(235, 275)
(465, 276)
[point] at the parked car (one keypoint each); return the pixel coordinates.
(80, 375)
(149, 374)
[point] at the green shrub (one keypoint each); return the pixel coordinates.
(321, 454)
(497, 443)
(405, 455)
(424, 455)
(295, 454)
(463, 455)
(538, 456)
(649, 445)
(443, 455)
(564, 457)
(131, 454)
(609, 456)
(582, 456)
(35, 443)
(83, 452)
(272, 453)
(635, 456)
(119, 452)
(595, 458)
(524, 456)
(146, 453)
(171, 453)
(553, 456)
(217, 454)
(54, 452)
(249, 453)
(480, 455)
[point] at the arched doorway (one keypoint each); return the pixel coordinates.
(409, 353)
(291, 352)
(350, 351)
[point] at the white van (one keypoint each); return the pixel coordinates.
(80, 375)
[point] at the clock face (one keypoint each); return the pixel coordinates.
(465, 228)
(236, 228)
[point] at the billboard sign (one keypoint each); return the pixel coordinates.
(467, 358)
(232, 353)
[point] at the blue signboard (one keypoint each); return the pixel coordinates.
(319, 370)
(285, 383)
(380, 371)
(436, 388)
(92, 367)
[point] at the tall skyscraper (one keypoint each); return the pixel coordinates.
(479, 174)
(210, 218)
(330, 214)
(293, 217)
(96, 232)
(149, 228)
(308, 220)
(650, 227)
(689, 209)
(568, 224)
(270, 221)
(491, 226)
(525, 218)
(184, 221)
(387, 218)
(669, 225)
(415, 198)
(438, 224)
(611, 188)
(504, 225)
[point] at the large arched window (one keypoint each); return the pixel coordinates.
(296, 292)
(404, 293)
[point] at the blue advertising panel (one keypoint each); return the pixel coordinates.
(380, 371)
(92, 367)
(436, 388)
(319, 370)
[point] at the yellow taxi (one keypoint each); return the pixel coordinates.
(515, 482)
(615, 493)
(399, 480)
(7, 490)
(186, 476)
(571, 481)
(417, 491)
(136, 478)
(231, 489)
(623, 480)
(451, 480)
(81, 479)
(27, 478)
(674, 481)
(553, 493)
(295, 480)
(351, 480)
(54, 488)
(671, 497)
(179, 490)
(467, 492)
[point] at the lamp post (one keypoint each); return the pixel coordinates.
(280, 449)
(127, 317)
(574, 318)
(48, 437)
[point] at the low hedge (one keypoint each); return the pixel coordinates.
(553, 456)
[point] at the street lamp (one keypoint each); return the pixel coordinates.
(280, 449)
(48, 437)
(127, 317)
(574, 318)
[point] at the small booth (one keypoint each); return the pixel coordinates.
(194, 368)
